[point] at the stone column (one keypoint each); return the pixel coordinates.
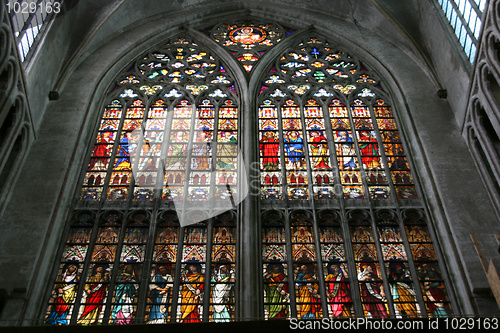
(16, 136)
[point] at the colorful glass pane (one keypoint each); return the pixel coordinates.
(158, 310)
(248, 42)
(95, 293)
(369, 274)
(130, 168)
(313, 145)
(274, 259)
(335, 269)
(192, 280)
(307, 295)
(65, 289)
(437, 303)
(222, 281)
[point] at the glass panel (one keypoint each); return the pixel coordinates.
(373, 293)
(166, 126)
(468, 14)
(429, 274)
(223, 271)
(185, 133)
(69, 273)
(161, 282)
(307, 293)
(336, 273)
(95, 293)
(248, 42)
(192, 279)
(127, 281)
(396, 265)
(125, 294)
(269, 150)
(275, 269)
(227, 153)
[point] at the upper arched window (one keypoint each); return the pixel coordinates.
(327, 130)
(177, 106)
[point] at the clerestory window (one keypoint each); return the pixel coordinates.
(464, 17)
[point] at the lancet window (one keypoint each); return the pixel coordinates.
(336, 180)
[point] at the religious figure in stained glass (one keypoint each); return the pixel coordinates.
(319, 148)
(368, 146)
(269, 147)
(433, 290)
(308, 297)
(201, 151)
(101, 151)
(150, 149)
(338, 290)
(126, 289)
(403, 294)
(276, 291)
(222, 282)
(294, 148)
(347, 149)
(372, 291)
(227, 153)
(306, 69)
(160, 291)
(192, 293)
(65, 294)
(95, 292)
(247, 35)
(177, 151)
(248, 42)
(123, 160)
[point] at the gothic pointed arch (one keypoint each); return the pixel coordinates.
(329, 141)
(154, 213)
(167, 213)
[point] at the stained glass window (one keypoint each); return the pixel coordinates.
(193, 266)
(275, 270)
(161, 282)
(69, 273)
(248, 42)
(329, 138)
(345, 161)
(98, 276)
(100, 279)
(307, 294)
(429, 273)
(336, 272)
(379, 263)
(369, 274)
(222, 280)
(143, 151)
(168, 136)
(153, 237)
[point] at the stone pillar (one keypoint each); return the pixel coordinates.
(481, 129)
(16, 136)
